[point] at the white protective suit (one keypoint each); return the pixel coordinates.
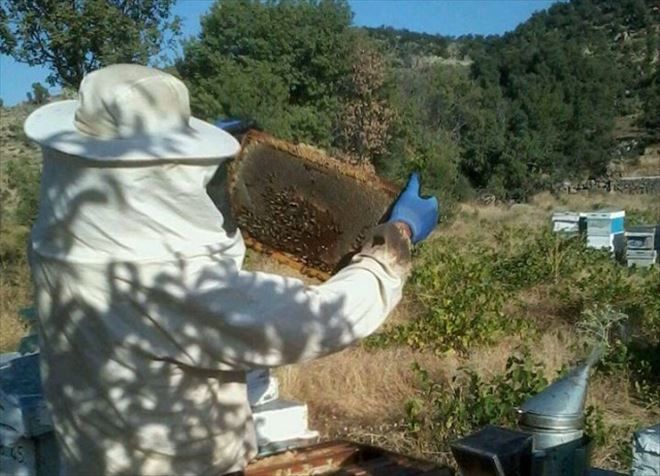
(148, 323)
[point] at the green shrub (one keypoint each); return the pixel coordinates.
(23, 177)
(462, 288)
(442, 411)
(540, 257)
(630, 353)
(13, 244)
(462, 304)
(634, 292)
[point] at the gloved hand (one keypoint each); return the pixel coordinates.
(420, 214)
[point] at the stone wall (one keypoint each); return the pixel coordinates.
(636, 185)
(631, 185)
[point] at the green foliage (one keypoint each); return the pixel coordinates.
(409, 45)
(443, 412)
(23, 180)
(422, 137)
(542, 257)
(631, 349)
(13, 243)
(462, 303)
(642, 217)
(536, 105)
(462, 290)
(365, 119)
(605, 282)
(594, 425)
(40, 93)
(279, 63)
(74, 38)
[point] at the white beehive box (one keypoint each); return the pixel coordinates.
(568, 222)
(262, 387)
(646, 452)
(643, 237)
(281, 424)
(614, 243)
(641, 258)
(605, 230)
(27, 440)
(18, 459)
(605, 222)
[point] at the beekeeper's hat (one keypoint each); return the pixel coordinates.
(128, 112)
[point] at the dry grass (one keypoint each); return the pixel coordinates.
(475, 221)
(622, 415)
(355, 384)
(14, 295)
(648, 164)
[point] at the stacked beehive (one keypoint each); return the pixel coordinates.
(605, 230)
(568, 223)
(280, 424)
(642, 245)
(27, 440)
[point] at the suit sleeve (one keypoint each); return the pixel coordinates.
(266, 320)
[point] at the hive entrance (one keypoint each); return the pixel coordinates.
(306, 208)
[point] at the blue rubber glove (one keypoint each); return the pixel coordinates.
(420, 214)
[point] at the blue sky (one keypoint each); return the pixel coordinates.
(446, 17)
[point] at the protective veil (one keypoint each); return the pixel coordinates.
(148, 322)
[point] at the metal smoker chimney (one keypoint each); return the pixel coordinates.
(556, 415)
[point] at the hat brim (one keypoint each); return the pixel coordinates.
(53, 126)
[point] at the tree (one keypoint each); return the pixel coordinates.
(280, 63)
(74, 38)
(365, 117)
(39, 94)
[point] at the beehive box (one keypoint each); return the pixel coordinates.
(262, 387)
(605, 222)
(645, 237)
(282, 424)
(27, 439)
(613, 243)
(344, 458)
(641, 258)
(568, 222)
(304, 207)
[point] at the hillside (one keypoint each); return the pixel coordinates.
(540, 104)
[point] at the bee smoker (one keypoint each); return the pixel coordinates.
(550, 440)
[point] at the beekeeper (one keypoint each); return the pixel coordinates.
(147, 321)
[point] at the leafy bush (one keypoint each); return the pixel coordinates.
(637, 359)
(634, 292)
(13, 245)
(462, 288)
(442, 412)
(22, 177)
(535, 258)
(462, 304)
